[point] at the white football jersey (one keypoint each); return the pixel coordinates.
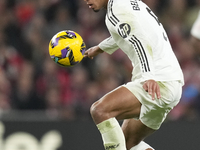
(195, 31)
(136, 30)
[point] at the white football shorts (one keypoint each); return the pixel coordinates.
(154, 112)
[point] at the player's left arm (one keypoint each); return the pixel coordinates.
(152, 87)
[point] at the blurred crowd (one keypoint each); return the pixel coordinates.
(30, 80)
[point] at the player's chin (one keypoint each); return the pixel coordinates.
(95, 10)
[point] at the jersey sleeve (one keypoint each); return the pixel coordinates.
(108, 45)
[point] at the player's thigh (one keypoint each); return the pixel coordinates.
(119, 103)
(135, 131)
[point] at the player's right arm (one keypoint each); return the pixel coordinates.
(92, 52)
(108, 45)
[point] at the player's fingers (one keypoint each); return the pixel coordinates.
(153, 93)
(86, 54)
(152, 90)
(158, 92)
(91, 57)
(149, 88)
(145, 87)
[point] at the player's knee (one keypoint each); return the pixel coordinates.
(97, 110)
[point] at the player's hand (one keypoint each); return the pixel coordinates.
(152, 87)
(92, 52)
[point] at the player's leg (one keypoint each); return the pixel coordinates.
(120, 104)
(152, 112)
(135, 131)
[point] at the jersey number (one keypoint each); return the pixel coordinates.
(156, 18)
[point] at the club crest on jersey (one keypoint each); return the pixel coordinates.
(135, 5)
(124, 30)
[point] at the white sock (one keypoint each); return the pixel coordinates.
(141, 146)
(112, 135)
